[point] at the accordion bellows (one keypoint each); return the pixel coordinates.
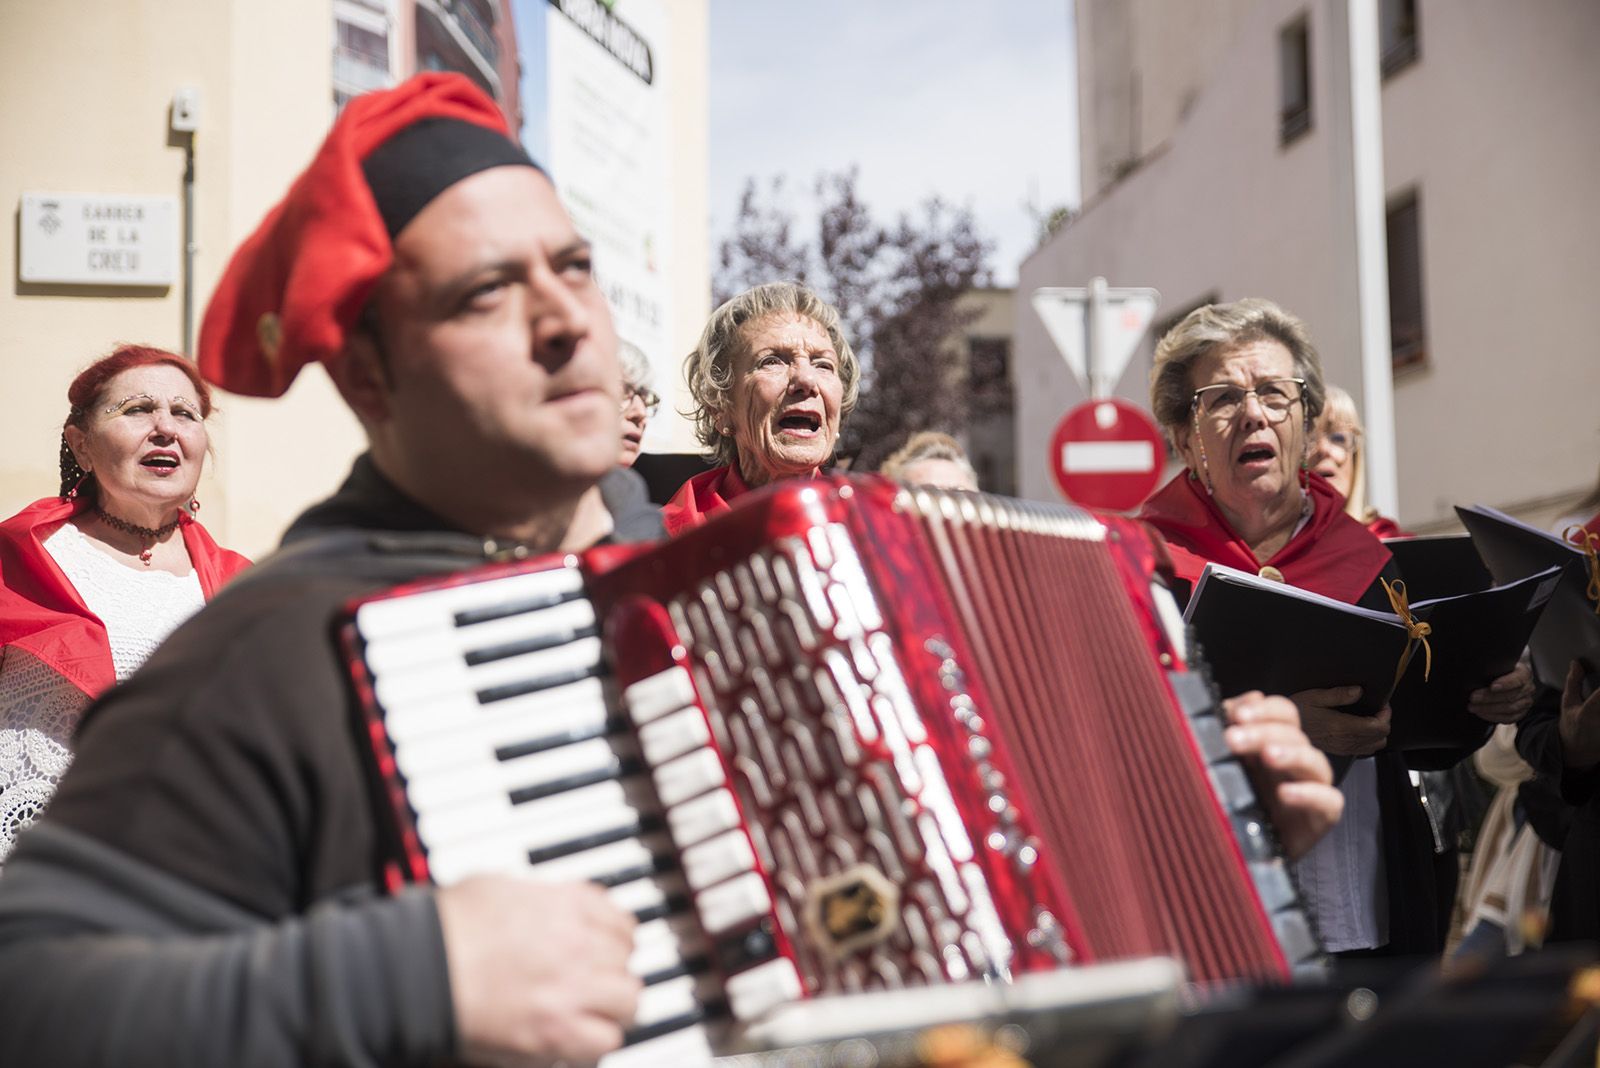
(845, 737)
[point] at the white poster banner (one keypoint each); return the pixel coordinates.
(596, 115)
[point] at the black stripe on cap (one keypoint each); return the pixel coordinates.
(408, 170)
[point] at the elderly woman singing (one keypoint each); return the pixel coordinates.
(1238, 388)
(772, 377)
(92, 580)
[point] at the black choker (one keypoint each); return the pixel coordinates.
(150, 535)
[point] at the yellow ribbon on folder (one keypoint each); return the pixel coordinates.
(1582, 539)
(1416, 629)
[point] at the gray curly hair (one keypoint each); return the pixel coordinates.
(635, 365)
(709, 368)
(1227, 326)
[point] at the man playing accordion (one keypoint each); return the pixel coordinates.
(203, 889)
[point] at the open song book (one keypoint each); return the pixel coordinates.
(1258, 634)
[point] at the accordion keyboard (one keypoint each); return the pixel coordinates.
(495, 703)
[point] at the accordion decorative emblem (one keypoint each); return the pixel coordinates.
(847, 737)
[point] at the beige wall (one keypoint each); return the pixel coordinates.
(1495, 124)
(84, 90)
(1141, 66)
(691, 214)
(86, 87)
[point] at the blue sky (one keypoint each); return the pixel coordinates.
(975, 102)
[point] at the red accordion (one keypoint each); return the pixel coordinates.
(846, 737)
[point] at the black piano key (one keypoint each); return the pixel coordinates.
(556, 741)
(642, 825)
(665, 1027)
(552, 640)
(671, 905)
(746, 948)
(541, 682)
(468, 616)
(620, 769)
(659, 864)
(693, 965)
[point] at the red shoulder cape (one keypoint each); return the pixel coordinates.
(42, 613)
(702, 497)
(1332, 554)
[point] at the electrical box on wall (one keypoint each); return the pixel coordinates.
(186, 109)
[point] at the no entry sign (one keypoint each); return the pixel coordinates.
(1107, 454)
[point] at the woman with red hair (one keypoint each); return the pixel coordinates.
(93, 579)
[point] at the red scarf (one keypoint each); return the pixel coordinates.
(1384, 527)
(41, 611)
(1593, 526)
(1332, 554)
(702, 497)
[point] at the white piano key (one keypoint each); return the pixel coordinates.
(605, 861)
(423, 649)
(662, 944)
(440, 789)
(699, 819)
(378, 619)
(653, 697)
(737, 901)
(664, 1001)
(648, 893)
(466, 824)
(674, 735)
(445, 714)
(487, 856)
(721, 858)
(689, 776)
(478, 739)
(398, 690)
(688, 1048)
(755, 992)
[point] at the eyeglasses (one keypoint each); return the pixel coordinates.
(1276, 397)
(648, 397)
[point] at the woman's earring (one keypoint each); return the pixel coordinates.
(73, 474)
(194, 505)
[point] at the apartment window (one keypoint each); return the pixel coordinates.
(1408, 337)
(362, 43)
(1294, 80)
(1397, 35)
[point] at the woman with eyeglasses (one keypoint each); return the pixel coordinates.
(639, 401)
(1237, 388)
(1336, 455)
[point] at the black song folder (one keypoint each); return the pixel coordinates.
(1256, 634)
(1569, 629)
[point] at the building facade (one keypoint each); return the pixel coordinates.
(1213, 170)
(85, 108)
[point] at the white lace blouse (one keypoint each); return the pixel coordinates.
(39, 709)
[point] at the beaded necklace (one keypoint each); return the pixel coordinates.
(150, 535)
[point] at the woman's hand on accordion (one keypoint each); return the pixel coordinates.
(1292, 775)
(538, 971)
